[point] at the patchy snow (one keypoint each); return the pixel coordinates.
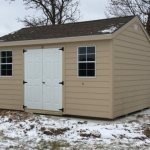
(20, 130)
(109, 30)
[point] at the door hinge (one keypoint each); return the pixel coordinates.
(24, 107)
(61, 82)
(24, 82)
(62, 49)
(24, 50)
(62, 109)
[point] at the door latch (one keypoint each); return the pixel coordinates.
(43, 82)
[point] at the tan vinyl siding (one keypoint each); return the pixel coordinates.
(88, 96)
(131, 71)
(11, 88)
(82, 112)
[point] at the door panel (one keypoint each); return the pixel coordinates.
(43, 72)
(52, 75)
(33, 77)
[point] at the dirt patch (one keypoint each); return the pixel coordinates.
(59, 131)
(133, 121)
(85, 133)
(140, 116)
(82, 122)
(147, 132)
(17, 115)
(48, 132)
(10, 120)
(140, 138)
(31, 127)
(42, 129)
(55, 132)
(146, 125)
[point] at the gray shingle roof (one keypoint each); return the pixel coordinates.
(95, 27)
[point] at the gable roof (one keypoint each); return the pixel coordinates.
(95, 27)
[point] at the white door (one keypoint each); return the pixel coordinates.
(50, 71)
(33, 77)
(52, 75)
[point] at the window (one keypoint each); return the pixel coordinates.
(5, 63)
(86, 61)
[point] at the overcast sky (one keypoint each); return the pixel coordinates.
(90, 9)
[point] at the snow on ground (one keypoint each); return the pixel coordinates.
(26, 131)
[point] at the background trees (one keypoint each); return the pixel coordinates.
(52, 12)
(119, 8)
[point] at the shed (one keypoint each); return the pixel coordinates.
(97, 68)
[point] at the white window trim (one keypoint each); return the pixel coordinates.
(7, 63)
(86, 62)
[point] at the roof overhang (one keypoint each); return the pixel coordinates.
(57, 40)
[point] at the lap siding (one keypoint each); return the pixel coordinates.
(88, 113)
(11, 89)
(131, 72)
(88, 96)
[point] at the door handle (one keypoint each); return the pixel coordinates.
(43, 82)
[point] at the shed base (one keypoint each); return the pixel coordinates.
(58, 113)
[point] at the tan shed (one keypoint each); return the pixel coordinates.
(96, 68)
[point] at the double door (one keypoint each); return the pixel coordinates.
(43, 74)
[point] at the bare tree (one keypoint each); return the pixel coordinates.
(52, 12)
(121, 8)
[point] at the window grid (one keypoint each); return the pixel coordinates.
(88, 71)
(5, 63)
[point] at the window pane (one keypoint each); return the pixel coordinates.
(9, 53)
(91, 57)
(3, 66)
(9, 67)
(91, 50)
(82, 50)
(82, 65)
(3, 72)
(3, 54)
(91, 73)
(9, 72)
(9, 60)
(82, 57)
(90, 65)
(3, 60)
(82, 73)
